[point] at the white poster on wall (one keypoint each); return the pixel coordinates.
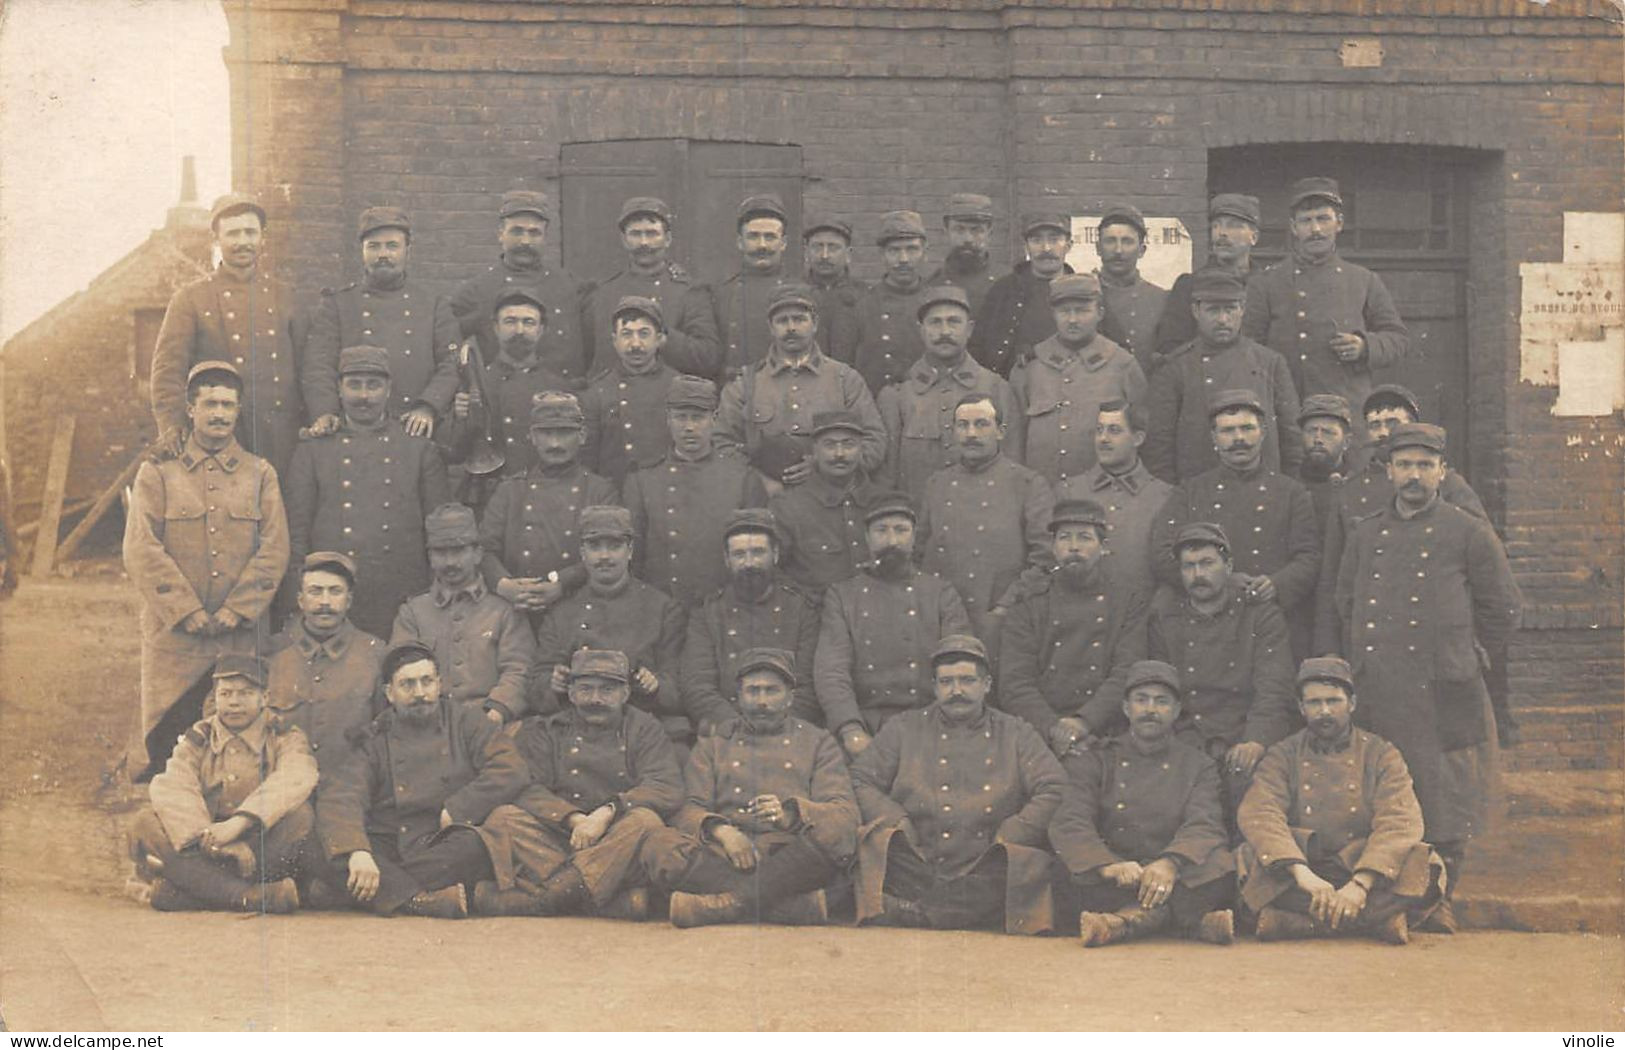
(1167, 251)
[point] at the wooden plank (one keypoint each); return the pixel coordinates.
(97, 510)
(56, 486)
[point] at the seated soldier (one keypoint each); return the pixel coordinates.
(603, 775)
(400, 823)
(770, 819)
(1354, 861)
(957, 800)
(1140, 831)
(231, 809)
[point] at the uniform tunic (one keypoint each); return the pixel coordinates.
(692, 342)
(1295, 307)
(414, 325)
(975, 281)
(1014, 318)
(784, 398)
(481, 643)
(563, 345)
(889, 339)
(1177, 325)
(825, 535)
(838, 315)
(252, 323)
(512, 386)
(205, 531)
(365, 492)
(326, 688)
(264, 772)
(1132, 501)
(875, 642)
(1414, 595)
(679, 510)
(1066, 651)
(626, 421)
(741, 303)
(1179, 439)
(967, 788)
(1132, 312)
(529, 526)
(918, 412)
(726, 627)
(1063, 390)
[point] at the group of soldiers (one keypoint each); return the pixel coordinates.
(1038, 601)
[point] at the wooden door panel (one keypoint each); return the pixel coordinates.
(720, 176)
(596, 178)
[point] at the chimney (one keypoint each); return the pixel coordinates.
(188, 213)
(188, 179)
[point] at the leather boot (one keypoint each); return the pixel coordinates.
(899, 911)
(631, 905)
(272, 898)
(565, 893)
(450, 902)
(166, 896)
(708, 909)
(1441, 918)
(804, 909)
(208, 884)
(1097, 928)
(1392, 930)
(489, 900)
(1216, 927)
(1278, 924)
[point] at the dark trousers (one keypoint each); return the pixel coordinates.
(1381, 903)
(972, 901)
(181, 716)
(446, 858)
(1187, 904)
(210, 882)
(679, 863)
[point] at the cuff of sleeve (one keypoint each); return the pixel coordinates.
(709, 825)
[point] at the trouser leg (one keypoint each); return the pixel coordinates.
(536, 849)
(181, 716)
(1189, 903)
(396, 885)
(973, 900)
(455, 855)
(283, 849)
(611, 864)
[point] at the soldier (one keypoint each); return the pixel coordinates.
(230, 812)
(1067, 378)
(1333, 321)
(787, 389)
(770, 819)
(1327, 425)
(1180, 442)
(324, 674)
(758, 608)
(484, 643)
(878, 629)
(889, 337)
(603, 776)
(1132, 303)
(364, 488)
(614, 611)
(822, 520)
(692, 344)
(1234, 658)
(624, 405)
(206, 544)
(400, 824)
(522, 222)
(415, 327)
(1424, 591)
(984, 521)
(950, 842)
(827, 243)
(1127, 491)
(1069, 640)
(1233, 222)
(969, 224)
(745, 299)
(918, 410)
(1140, 833)
(528, 531)
(243, 316)
(1016, 315)
(1350, 856)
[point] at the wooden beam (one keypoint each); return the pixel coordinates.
(56, 486)
(97, 510)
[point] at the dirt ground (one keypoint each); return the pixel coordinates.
(75, 955)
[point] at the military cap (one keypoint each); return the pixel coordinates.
(688, 391)
(889, 503)
(331, 561)
(1145, 672)
(518, 202)
(1201, 534)
(753, 519)
(899, 225)
(1122, 212)
(1229, 400)
(973, 206)
(357, 359)
(385, 217)
(516, 296)
(1243, 206)
(821, 221)
(241, 665)
(1315, 186)
(1326, 669)
(1077, 512)
(1417, 435)
(1084, 286)
(408, 652)
(762, 205)
(960, 645)
(605, 521)
(780, 661)
(1332, 406)
(558, 409)
(450, 525)
(1216, 284)
(653, 206)
(1391, 395)
(942, 293)
(791, 293)
(640, 304)
(600, 663)
(233, 203)
(212, 365)
(836, 419)
(1039, 220)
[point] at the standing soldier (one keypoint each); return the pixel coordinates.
(822, 520)
(1132, 303)
(888, 312)
(1016, 314)
(681, 504)
(691, 344)
(243, 316)
(1067, 378)
(1132, 498)
(969, 224)
(918, 410)
(363, 490)
(1233, 220)
(827, 242)
(522, 223)
(206, 544)
(745, 299)
(624, 407)
(1333, 321)
(415, 326)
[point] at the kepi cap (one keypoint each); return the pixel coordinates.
(408, 652)
(1229, 400)
(331, 561)
(973, 206)
(231, 204)
(1326, 669)
(639, 304)
(780, 661)
(762, 205)
(1201, 534)
(1077, 512)
(942, 293)
(382, 217)
(518, 296)
(1243, 206)
(899, 225)
(644, 206)
(558, 409)
(888, 503)
(688, 391)
(1070, 286)
(1315, 186)
(1122, 212)
(960, 645)
(450, 525)
(1417, 435)
(516, 202)
(241, 665)
(605, 521)
(1391, 394)
(1216, 284)
(354, 360)
(1039, 220)
(1145, 672)
(836, 419)
(213, 365)
(791, 293)
(1331, 406)
(821, 221)
(600, 663)
(753, 519)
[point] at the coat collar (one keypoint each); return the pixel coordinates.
(1092, 357)
(333, 647)
(813, 362)
(924, 375)
(229, 458)
(253, 735)
(443, 596)
(1131, 482)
